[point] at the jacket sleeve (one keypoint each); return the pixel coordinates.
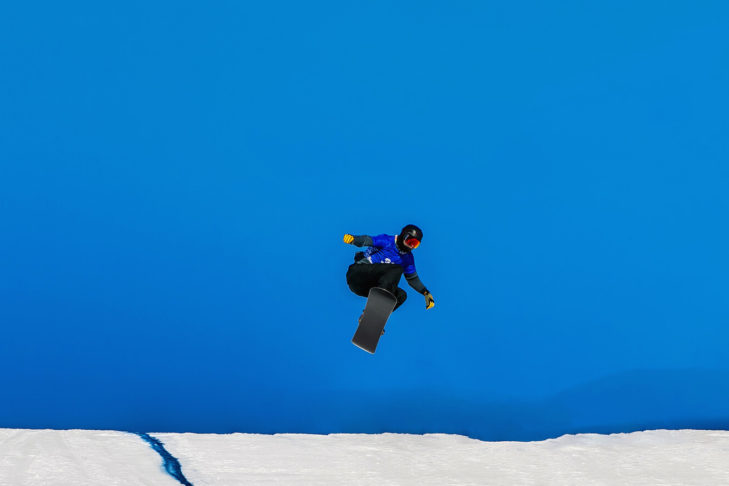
(415, 283)
(362, 240)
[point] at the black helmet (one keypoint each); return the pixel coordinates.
(409, 231)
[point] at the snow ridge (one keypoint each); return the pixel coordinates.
(171, 464)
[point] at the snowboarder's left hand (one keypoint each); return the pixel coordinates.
(348, 239)
(429, 301)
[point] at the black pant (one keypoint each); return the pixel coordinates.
(361, 277)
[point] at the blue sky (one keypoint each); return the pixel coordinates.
(176, 178)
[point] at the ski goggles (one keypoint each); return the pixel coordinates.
(412, 242)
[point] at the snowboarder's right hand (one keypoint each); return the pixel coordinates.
(348, 239)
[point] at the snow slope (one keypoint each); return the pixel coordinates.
(51, 457)
(78, 458)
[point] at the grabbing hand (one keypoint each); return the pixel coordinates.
(348, 239)
(429, 301)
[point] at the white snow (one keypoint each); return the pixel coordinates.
(78, 458)
(51, 457)
(650, 458)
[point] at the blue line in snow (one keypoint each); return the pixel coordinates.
(170, 463)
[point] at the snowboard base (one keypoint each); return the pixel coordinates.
(380, 304)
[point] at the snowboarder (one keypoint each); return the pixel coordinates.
(386, 259)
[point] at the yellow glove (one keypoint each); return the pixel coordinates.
(348, 239)
(429, 301)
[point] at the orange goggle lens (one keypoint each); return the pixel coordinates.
(412, 242)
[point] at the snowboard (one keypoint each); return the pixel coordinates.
(380, 304)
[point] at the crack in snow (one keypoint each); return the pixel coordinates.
(170, 462)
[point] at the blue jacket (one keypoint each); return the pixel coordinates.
(384, 250)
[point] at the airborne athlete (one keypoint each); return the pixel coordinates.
(376, 273)
(385, 260)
